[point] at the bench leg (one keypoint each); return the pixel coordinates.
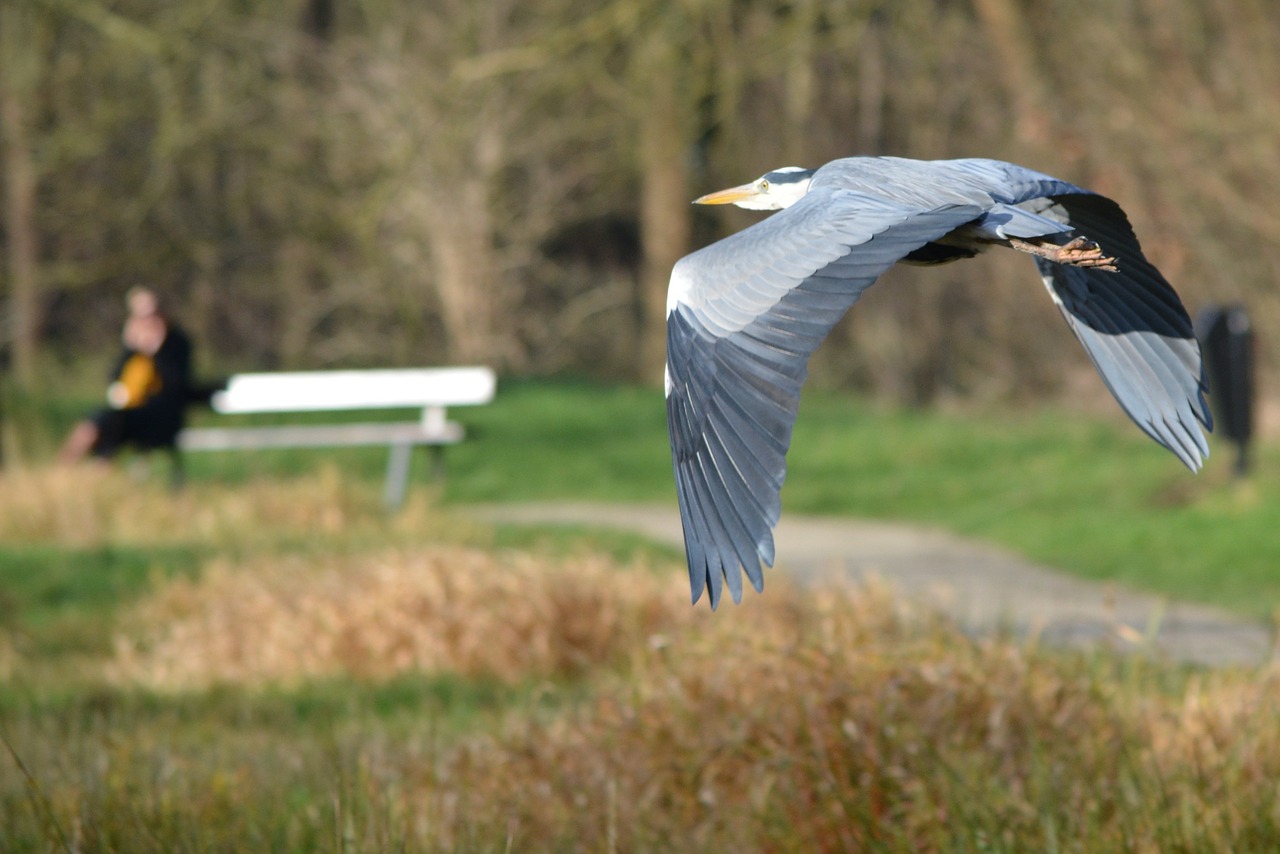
(437, 461)
(397, 474)
(177, 469)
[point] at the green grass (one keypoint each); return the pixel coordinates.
(567, 540)
(59, 603)
(797, 721)
(807, 724)
(225, 769)
(1094, 498)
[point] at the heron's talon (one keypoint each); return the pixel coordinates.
(1079, 252)
(1083, 252)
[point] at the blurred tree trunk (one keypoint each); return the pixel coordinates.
(458, 221)
(17, 63)
(299, 279)
(665, 213)
(801, 84)
(1008, 33)
(458, 226)
(869, 127)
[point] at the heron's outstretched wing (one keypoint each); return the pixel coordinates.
(1134, 328)
(743, 317)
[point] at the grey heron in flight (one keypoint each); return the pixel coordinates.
(744, 315)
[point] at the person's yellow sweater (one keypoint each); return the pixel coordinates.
(138, 382)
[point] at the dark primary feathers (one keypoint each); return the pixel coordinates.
(745, 314)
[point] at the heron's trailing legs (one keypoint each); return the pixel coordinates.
(1080, 252)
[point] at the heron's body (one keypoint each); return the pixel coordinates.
(744, 315)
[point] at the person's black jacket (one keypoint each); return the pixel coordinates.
(156, 421)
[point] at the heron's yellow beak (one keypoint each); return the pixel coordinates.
(729, 196)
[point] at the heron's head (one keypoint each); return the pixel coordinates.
(772, 191)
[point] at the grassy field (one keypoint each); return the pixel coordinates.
(282, 666)
(1095, 498)
(271, 662)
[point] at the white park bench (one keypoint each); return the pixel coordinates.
(432, 390)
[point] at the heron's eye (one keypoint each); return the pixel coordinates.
(764, 186)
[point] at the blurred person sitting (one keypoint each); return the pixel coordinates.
(149, 390)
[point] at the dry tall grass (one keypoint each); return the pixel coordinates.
(815, 720)
(825, 722)
(830, 719)
(450, 609)
(90, 505)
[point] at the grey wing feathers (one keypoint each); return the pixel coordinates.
(1134, 328)
(745, 314)
(738, 356)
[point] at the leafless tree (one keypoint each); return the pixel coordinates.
(391, 182)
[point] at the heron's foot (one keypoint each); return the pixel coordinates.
(1083, 252)
(1080, 252)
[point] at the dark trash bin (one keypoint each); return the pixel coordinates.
(1226, 337)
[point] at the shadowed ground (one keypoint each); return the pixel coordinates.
(981, 586)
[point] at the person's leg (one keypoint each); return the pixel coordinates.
(79, 443)
(116, 428)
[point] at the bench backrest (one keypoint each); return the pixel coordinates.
(308, 391)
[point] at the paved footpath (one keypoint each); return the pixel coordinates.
(979, 585)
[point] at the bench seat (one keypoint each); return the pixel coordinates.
(431, 390)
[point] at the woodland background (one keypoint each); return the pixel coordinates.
(318, 183)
